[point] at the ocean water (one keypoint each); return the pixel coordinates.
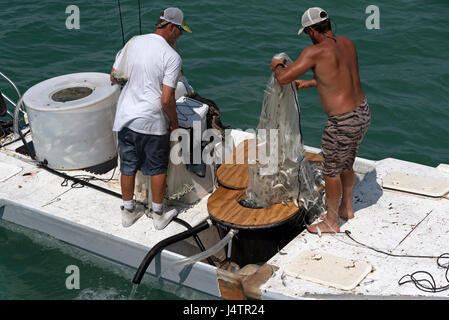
(403, 69)
(34, 266)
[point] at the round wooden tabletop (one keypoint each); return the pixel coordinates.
(224, 207)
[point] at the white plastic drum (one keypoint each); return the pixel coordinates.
(71, 119)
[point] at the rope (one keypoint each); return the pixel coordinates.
(85, 178)
(121, 21)
(422, 284)
(140, 21)
(431, 284)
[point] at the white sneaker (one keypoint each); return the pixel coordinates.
(161, 220)
(129, 217)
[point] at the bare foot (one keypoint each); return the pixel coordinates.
(323, 227)
(345, 213)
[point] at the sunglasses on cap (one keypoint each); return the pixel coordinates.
(179, 27)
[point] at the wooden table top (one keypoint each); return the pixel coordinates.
(224, 207)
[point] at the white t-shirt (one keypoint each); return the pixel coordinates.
(151, 63)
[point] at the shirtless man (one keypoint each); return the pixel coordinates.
(333, 60)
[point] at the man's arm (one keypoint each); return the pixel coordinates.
(113, 80)
(305, 84)
(169, 105)
(305, 62)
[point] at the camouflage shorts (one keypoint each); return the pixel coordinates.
(341, 139)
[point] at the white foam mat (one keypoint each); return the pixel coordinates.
(428, 186)
(328, 270)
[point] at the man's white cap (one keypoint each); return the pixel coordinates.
(312, 16)
(175, 16)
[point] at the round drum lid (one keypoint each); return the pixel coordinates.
(69, 92)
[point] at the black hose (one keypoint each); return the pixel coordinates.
(164, 243)
(195, 236)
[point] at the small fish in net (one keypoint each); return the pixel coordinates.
(282, 173)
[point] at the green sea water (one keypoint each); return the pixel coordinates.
(34, 266)
(403, 69)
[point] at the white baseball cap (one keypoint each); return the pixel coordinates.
(312, 16)
(175, 16)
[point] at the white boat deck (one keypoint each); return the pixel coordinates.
(43, 191)
(394, 222)
(91, 220)
(391, 221)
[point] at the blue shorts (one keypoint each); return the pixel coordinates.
(146, 152)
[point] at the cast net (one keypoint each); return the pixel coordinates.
(282, 173)
(179, 181)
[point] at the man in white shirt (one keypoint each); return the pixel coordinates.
(146, 113)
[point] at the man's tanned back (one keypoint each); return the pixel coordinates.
(337, 74)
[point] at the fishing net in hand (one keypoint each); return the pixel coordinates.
(121, 72)
(179, 181)
(282, 173)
